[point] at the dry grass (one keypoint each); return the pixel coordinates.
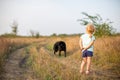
(47, 66)
(3, 50)
(107, 52)
(105, 64)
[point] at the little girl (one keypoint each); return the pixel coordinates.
(86, 45)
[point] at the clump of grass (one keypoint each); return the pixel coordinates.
(4, 48)
(106, 56)
(49, 47)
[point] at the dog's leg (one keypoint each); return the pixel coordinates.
(59, 53)
(65, 53)
(54, 52)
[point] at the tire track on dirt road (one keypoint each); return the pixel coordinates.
(12, 69)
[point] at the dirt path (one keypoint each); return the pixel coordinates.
(12, 67)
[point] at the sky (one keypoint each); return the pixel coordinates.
(54, 16)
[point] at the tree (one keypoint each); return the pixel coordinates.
(54, 34)
(32, 33)
(14, 27)
(37, 34)
(103, 28)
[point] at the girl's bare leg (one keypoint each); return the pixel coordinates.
(82, 65)
(88, 65)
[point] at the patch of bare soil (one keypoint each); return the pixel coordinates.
(13, 69)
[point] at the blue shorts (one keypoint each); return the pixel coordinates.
(87, 53)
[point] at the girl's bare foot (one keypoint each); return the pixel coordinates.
(87, 72)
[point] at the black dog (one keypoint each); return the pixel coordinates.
(60, 46)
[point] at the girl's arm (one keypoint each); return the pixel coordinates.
(80, 44)
(91, 43)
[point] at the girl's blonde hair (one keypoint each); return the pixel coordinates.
(90, 28)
